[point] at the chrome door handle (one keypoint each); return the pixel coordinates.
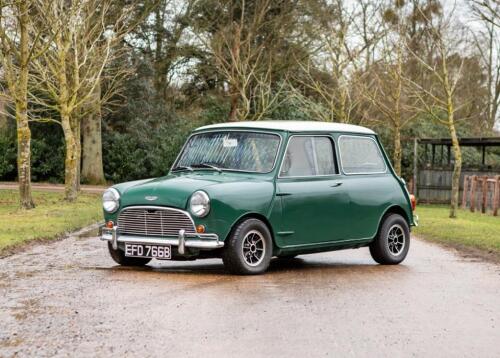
(336, 184)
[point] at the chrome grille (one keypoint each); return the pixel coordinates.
(154, 222)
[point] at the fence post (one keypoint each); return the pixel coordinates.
(464, 192)
(496, 195)
(473, 193)
(484, 192)
(415, 166)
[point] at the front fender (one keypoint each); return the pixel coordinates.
(230, 201)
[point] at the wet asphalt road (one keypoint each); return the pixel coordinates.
(68, 298)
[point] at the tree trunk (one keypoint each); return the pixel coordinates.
(342, 109)
(233, 112)
(92, 168)
(158, 58)
(24, 158)
(3, 117)
(78, 144)
(397, 151)
(457, 169)
(71, 160)
(23, 130)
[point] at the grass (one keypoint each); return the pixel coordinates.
(469, 230)
(51, 218)
(54, 217)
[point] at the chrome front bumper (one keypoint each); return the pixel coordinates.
(183, 240)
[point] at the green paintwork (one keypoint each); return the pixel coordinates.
(304, 214)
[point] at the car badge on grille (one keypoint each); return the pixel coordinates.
(151, 198)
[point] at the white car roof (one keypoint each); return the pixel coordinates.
(292, 126)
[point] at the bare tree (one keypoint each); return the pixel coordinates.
(487, 41)
(163, 37)
(437, 97)
(341, 47)
(18, 48)
(488, 10)
(92, 171)
(244, 49)
(68, 75)
(386, 88)
(385, 83)
(370, 27)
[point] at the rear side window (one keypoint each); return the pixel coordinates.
(309, 156)
(360, 155)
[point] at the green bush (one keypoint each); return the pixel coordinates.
(47, 153)
(142, 151)
(8, 155)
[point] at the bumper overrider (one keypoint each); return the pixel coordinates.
(182, 241)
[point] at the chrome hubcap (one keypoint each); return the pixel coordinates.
(254, 248)
(396, 240)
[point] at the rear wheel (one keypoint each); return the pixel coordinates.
(119, 257)
(392, 243)
(249, 248)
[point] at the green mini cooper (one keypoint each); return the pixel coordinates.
(248, 191)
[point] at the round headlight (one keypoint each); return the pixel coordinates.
(199, 204)
(111, 200)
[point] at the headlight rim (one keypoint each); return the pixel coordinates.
(116, 199)
(207, 204)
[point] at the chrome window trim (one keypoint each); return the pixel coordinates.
(231, 130)
(364, 137)
(308, 176)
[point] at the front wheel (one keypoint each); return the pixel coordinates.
(119, 257)
(249, 248)
(392, 243)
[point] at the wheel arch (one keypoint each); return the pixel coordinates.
(394, 209)
(253, 215)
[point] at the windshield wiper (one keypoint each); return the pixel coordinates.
(207, 165)
(182, 167)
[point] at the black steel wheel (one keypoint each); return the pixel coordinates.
(392, 243)
(249, 248)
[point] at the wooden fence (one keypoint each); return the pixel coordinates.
(481, 193)
(434, 184)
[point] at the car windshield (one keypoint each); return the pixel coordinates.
(241, 151)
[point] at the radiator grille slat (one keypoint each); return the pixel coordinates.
(154, 222)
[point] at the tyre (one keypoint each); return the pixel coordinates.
(392, 243)
(119, 257)
(248, 249)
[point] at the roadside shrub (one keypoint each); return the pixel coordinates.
(125, 157)
(143, 151)
(8, 155)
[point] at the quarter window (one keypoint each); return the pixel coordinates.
(360, 155)
(308, 156)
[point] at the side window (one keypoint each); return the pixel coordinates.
(360, 155)
(309, 156)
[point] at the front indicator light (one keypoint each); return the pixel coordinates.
(200, 229)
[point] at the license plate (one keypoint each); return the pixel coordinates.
(162, 252)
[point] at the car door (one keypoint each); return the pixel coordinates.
(368, 184)
(310, 190)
